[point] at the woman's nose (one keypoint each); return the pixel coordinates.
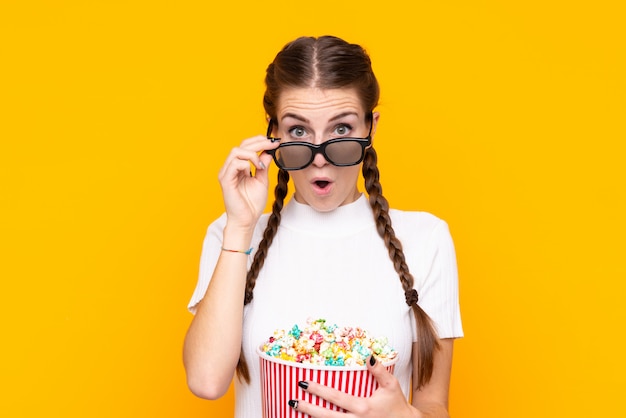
(319, 160)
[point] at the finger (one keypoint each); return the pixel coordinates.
(258, 144)
(244, 154)
(252, 151)
(266, 159)
(334, 396)
(239, 160)
(380, 372)
(315, 411)
(233, 169)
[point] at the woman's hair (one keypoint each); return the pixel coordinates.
(328, 62)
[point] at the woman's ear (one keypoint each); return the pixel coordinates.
(375, 117)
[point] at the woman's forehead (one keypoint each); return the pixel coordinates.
(320, 104)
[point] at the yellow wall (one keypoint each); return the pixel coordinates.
(504, 118)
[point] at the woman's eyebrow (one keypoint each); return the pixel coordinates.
(343, 115)
(305, 120)
(294, 116)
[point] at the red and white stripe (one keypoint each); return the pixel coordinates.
(279, 382)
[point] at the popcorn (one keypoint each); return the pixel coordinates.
(325, 344)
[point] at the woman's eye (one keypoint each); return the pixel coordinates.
(297, 132)
(342, 130)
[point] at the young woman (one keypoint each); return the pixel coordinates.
(329, 252)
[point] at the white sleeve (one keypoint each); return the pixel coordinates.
(438, 287)
(211, 248)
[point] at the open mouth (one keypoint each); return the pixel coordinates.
(322, 184)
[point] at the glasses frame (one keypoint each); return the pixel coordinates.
(319, 149)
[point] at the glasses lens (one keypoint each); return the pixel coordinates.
(293, 156)
(346, 152)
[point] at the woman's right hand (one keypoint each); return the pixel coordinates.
(245, 193)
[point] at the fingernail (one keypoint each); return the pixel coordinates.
(293, 404)
(304, 385)
(372, 360)
(261, 165)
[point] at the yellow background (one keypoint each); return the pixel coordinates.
(504, 118)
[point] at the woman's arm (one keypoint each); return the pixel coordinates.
(212, 344)
(432, 399)
(210, 351)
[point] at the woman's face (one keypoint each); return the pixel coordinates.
(315, 115)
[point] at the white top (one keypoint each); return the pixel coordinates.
(335, 266)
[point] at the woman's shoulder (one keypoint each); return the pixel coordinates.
(421, 233)
(413, 219)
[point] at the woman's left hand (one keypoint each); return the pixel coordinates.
(387, 401)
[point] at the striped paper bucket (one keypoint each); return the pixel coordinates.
(279, 383)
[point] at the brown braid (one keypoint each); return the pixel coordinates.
(427, 336)
(280, 192)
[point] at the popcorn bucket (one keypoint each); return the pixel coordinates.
(279, 384)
